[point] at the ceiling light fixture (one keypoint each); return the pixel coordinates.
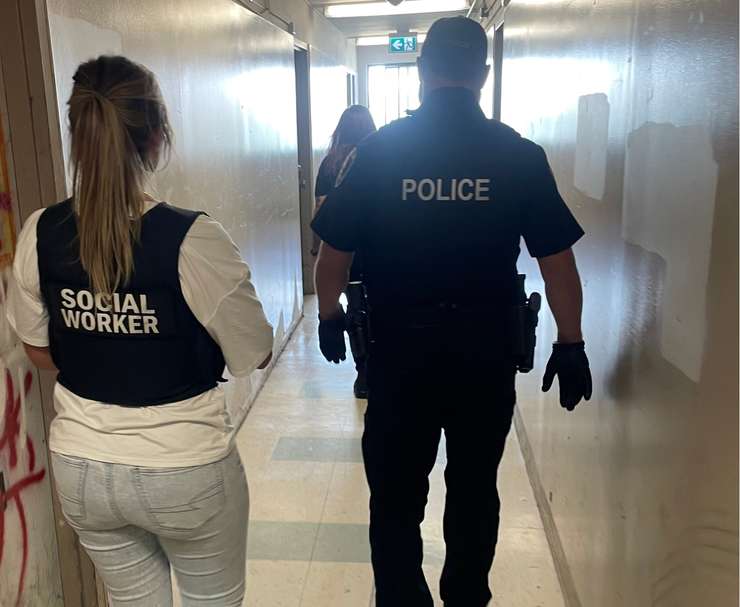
(409, 7)
(383, 40)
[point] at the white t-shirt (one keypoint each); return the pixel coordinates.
(217, 287)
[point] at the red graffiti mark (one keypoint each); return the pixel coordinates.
(14, 493)
(31, 452)
(5, 203)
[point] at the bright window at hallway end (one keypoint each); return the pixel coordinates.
(392, 89)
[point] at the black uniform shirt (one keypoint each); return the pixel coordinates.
(437, 204)
(324, 179)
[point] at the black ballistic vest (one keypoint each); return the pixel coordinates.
(141, 347)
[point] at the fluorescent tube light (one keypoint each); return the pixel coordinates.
(383, 40)
(409, 7)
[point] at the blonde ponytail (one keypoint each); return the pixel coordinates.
(119, 126)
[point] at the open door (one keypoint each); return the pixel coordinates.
(305, 163)
(351, 89)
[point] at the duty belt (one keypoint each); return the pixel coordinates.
(438, 315)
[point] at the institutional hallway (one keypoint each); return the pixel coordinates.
(308, 542)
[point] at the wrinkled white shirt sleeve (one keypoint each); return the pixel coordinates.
(24, 307)
(216, 284)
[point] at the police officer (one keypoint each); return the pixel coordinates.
(437, 204)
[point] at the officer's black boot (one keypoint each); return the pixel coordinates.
(360, 386)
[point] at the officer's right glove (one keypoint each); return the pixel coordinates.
(331, 337)
(570, 363)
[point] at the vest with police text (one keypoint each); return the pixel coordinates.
(143, 346)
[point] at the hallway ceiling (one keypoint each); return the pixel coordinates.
(354, 27)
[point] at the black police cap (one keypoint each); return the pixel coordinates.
(455, 47)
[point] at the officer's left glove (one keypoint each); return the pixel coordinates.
(331, 337)
(570, 363)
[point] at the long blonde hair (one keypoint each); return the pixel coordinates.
(119, 130)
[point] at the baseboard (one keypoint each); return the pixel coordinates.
(562, 568)
(264, 376)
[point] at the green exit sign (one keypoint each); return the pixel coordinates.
(402, 44)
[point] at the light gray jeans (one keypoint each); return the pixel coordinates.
(136, 523)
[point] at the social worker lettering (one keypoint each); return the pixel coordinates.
(121, 313)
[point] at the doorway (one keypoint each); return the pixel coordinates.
(351, 89)
(498, 65)
(305, 162)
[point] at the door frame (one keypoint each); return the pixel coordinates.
(498, 67)
(39, 180)
(302, 63)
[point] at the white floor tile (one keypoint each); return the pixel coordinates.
(275, 583)
(338, 585)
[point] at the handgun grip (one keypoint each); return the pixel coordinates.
(535, 302)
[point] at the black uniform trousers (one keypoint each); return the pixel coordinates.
(424, 381)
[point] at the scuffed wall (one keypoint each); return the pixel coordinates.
(29, 573)
(228, 79)
(636, 105)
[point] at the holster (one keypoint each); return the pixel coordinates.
(358, 320)
(525, 326)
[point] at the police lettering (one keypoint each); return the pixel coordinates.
(447, 190)
(121, 313)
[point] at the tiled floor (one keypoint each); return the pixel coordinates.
(308, 542)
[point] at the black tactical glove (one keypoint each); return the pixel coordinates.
(331, 337)
(570, 363)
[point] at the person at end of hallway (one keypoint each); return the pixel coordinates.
(354, 125)
(140, 306)
(436, 204)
